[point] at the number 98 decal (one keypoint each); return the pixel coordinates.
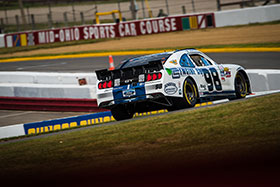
(212, 79)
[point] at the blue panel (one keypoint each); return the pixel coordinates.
(138, 92)
(16, 40)
(47, 126)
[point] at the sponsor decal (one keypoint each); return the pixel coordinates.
(180, 91)
(173, 62)
(204, 87)
(181, 71)
(129, 93)
(170, 88)
(30, 39)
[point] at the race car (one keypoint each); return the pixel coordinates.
(169, 80)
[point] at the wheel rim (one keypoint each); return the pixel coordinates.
(241, 85)
(189, 93)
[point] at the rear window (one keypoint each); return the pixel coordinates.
(143, 60)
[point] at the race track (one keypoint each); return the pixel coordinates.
(250, 60)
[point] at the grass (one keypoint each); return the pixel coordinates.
(243, 129)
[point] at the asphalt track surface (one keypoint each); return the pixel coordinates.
(249, 60)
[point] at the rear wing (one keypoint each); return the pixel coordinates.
(130, 72)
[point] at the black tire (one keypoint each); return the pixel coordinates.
(240, 85)
(190, 93)
(120, 112)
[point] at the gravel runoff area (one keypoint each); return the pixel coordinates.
(217, 36)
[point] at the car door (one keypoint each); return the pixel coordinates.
(211, 75)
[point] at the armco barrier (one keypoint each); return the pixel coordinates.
(123, 29)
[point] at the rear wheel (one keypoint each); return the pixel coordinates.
(241, 87)
(121, 112)
(190, 93)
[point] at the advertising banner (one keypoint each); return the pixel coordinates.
(101, 31)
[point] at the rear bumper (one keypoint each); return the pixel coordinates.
(130, 94)
(133, 100)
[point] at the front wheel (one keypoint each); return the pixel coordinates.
(241, 87)
(121, 112)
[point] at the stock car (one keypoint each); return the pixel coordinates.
(169, 80)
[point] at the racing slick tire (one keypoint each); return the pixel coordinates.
(240, 85)
(190, 93)
(190, 97)
(121, 112)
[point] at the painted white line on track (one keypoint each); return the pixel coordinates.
(12, 115)
(45, 65)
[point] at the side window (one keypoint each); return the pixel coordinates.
(206, 62)
(200, 60)
(185, 61)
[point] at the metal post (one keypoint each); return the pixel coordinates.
(143, 9)
(65, 18)
(133, 9)
(193, 6)
(167, 7)
(184, 9)
(1, 22)
(73, 12)
(82, 18)
(6, 17)
(23, 18)
(32, 21)
(17, 22)
(50, 12)
(50, 21)
(119, 5)
(28, 15)
(218, 5)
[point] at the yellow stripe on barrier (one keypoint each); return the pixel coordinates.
(142, 52)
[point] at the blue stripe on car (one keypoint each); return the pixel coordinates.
(218, 93)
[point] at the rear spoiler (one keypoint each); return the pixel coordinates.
(129, 73)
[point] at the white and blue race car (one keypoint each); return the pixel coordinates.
(170, 80)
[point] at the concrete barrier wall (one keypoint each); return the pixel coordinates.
(264, 80)
(47, 85)
(247, 15)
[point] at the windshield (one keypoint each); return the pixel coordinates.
(143, 60)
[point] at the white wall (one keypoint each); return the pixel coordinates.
(47, 85)
(247, 15)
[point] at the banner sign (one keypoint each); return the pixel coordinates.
(123, 29)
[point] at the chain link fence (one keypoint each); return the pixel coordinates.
(53, 16)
